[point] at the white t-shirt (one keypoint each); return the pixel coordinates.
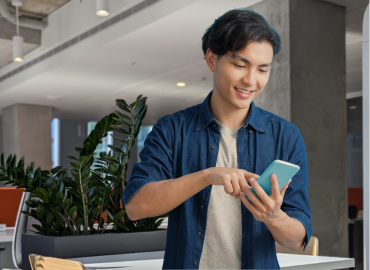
(223, 237)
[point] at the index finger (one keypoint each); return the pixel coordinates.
(249, 175)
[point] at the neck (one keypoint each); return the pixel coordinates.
(226, 113)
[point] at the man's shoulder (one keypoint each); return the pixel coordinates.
(270, 119)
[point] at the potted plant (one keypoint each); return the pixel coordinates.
(80, 209)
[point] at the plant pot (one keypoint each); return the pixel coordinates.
(91, 245)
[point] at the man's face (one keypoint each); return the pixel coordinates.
(234, 76)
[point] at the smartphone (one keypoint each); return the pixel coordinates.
(283, 170)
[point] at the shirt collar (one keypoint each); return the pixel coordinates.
(206, 117)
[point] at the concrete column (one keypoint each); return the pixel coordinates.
(27, 132)
(72, 134)
(307, 86)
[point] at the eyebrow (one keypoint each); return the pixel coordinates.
(247, 62)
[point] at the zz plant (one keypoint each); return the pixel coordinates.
(87, 198)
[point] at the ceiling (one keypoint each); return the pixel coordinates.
(147, 54)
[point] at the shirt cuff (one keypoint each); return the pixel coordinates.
(305, 220)
(132, 187)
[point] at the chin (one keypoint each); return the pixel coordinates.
(242, 105)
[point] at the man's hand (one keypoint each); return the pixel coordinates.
(232, 179)
(267, 208)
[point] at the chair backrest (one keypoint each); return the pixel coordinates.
(39, 262)
(23, 224)
(20, 227)
(312, 248)
(9, 204)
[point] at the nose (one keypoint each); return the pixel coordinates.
(249, 77)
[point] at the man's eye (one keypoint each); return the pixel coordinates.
(263, 70)
(238, 66)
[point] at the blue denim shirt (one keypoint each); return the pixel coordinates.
(181, 144)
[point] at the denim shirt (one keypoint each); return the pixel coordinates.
(187, 142)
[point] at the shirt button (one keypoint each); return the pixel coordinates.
(206, 128)
(250, 131)
(199, 233)
(214, 125)
(202, 206)
(195, 263)
(213, 147)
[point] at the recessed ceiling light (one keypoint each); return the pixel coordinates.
(51, 97)
(353, 107)
(181, 84)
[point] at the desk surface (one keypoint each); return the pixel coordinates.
(154, 260)
(7, 235)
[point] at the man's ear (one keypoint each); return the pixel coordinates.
(211, 60)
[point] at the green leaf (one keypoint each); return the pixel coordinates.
(75, 165)
(38, 228)
(40, 211)
(122, 226)
(140, 223)
(67, 203)
(72, 211)
(43, 194)
(2, 161)
(59, 196)
(119, 215)
(26, 213)
(49, 219)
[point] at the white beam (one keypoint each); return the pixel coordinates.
(366, 137)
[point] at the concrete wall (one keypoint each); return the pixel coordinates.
(318, 108)
(307, 87)
(27, 132)
(70, 138)
(275, 97)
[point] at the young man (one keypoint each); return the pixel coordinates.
(196, 163)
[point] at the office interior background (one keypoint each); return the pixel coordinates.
(76, 64)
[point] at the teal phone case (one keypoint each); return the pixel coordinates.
(284, 172)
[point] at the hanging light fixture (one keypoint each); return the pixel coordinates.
(17, 40)
(102, 8)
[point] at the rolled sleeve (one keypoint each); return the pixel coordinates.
(156, 162)
(295, 203)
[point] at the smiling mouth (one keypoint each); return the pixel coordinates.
(243, 91)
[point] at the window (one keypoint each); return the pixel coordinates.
(354, 142)
(143, 133)
(55, 142)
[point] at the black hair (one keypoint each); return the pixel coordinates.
(234, 30)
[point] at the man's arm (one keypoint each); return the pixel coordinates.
(288, 232)
(160, 197)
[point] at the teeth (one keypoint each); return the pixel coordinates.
(243, 91)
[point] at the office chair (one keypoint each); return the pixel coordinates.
(22, 225)
(311, 249)
(39, 262)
